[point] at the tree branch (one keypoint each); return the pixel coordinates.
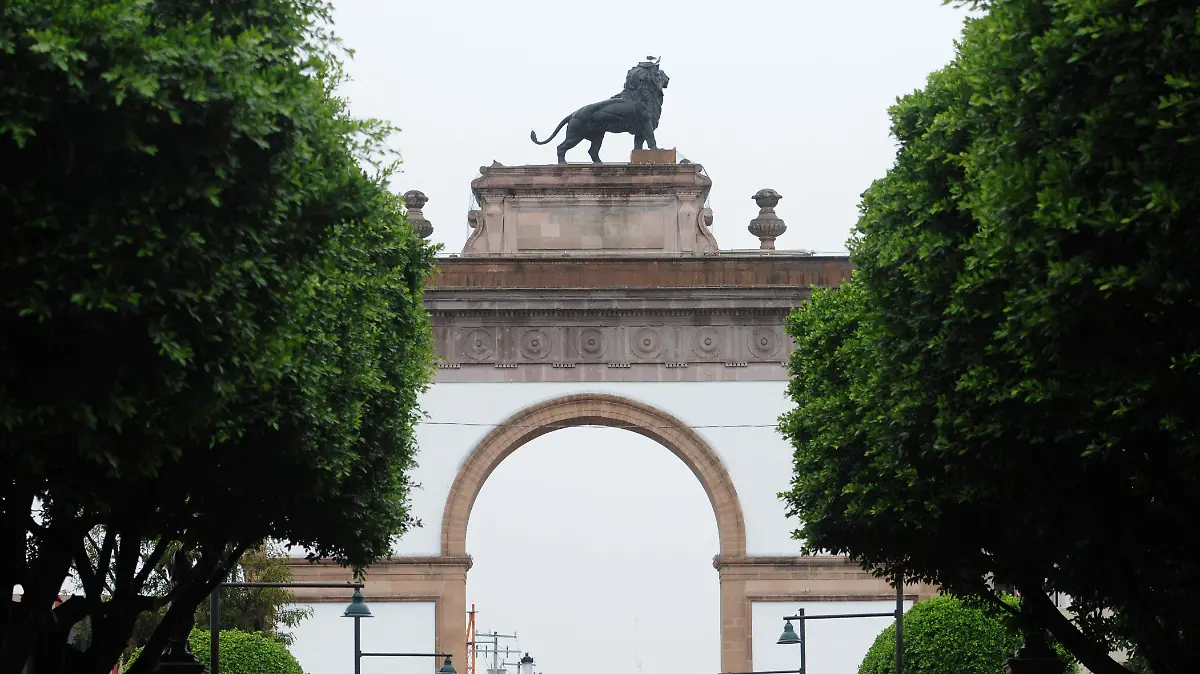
(74, 609)
(1152, 642)
(983, 591)
(128, 552)
(106, 550)
(83, 566)
(203, 579)
(1093, 656)
(151, 562)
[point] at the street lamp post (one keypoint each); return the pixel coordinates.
(791, 637)
(214, 613)
(358, 610)
(899, 627)
(526, 665)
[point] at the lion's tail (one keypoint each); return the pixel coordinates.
(533, 134)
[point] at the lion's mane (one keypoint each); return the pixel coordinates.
(642, 85)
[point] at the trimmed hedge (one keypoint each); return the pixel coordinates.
(243, 653)
(944, 635)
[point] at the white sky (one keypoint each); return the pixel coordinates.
(596, 546)
(788, 94)
(791, 95)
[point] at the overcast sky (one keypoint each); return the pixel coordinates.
(791, 95)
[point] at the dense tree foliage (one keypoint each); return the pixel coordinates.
(211, 330)
(1006, 389)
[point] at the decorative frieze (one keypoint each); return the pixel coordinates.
(625, 334)
(615, 346)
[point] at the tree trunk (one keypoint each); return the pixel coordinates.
(1093, 656)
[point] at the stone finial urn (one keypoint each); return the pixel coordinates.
(415, 200)
(767, 226)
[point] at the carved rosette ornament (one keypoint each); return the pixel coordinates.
(591, 344)
(706, 342)
(535, 344)
(646, 344)
(478, 345)
(763, 343)
(767, 226)
(415, 200)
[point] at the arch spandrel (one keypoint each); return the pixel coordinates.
(597, 410)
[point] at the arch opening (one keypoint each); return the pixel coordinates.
(601, 532)
(594, 410)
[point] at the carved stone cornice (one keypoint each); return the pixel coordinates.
(754, 269)
(328, 565)
(819, 574)
(634, 179)
(612, 294)
(811, 562)
(399, 579)
(587, 314)
(615, 306)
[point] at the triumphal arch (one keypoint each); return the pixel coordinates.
(599, 274)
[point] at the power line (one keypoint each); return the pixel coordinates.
(570, 425)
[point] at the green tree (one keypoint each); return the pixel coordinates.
(1006, 388)
(268, 610)
(204, 280)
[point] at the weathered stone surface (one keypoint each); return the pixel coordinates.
(569, 209)
(618, 319)
(653, 157)
(767, 226)
(765, 269)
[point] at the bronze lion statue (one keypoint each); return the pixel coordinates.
(635, 110)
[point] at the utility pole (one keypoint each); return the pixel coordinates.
(471, 640)
(484, 639)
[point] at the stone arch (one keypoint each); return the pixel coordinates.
(442, 579)
(595, 409)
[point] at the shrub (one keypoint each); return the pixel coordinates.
(945, 635)
(243, 653)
